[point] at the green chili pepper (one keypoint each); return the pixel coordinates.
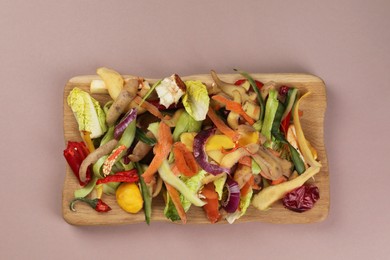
(146, 195)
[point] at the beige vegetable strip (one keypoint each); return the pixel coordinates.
(269, 195)
(113, 81)
(141, 149)
(303, 145)
(122, 102)
(94, 157)
(229, 88)
(232, 158)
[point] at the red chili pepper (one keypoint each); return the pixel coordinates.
(242, 81)
(285, 123)
(125, 176)
(74, 154)
(101, 206)
(96, 204)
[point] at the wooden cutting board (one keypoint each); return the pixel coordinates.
(313, 108)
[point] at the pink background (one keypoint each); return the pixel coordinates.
(43, 44)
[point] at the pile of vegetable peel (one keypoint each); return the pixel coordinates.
(224, 146)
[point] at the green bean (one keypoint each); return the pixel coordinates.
(147, 197)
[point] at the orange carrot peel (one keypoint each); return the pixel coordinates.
(148, 106)
(211, 208)
(222, 126)
(235, 107)
(250, 184)
(161, 151)
(175, 196)
(278, 181)
(185, 160)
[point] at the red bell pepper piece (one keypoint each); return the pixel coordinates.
(74, 154)
(125, 176)
(242, 81)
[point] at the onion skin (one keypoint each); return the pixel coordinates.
(200, 154)
(230, 205)
(127, 119)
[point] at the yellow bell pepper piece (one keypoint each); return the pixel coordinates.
(217, 142)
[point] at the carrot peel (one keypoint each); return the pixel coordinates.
(184, 160)
(161, 150)
(235, 107)
(175, 196)
(148, 106)
(222, 126)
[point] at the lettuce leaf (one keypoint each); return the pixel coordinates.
(185, 123)
(196, 100)
(245, 202)
(194, 184)
(88, 113)
(170, 211)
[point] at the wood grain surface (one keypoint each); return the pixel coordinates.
(313, 108)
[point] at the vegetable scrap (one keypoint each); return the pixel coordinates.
(221, 147)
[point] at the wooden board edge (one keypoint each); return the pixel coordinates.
(304, 77)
